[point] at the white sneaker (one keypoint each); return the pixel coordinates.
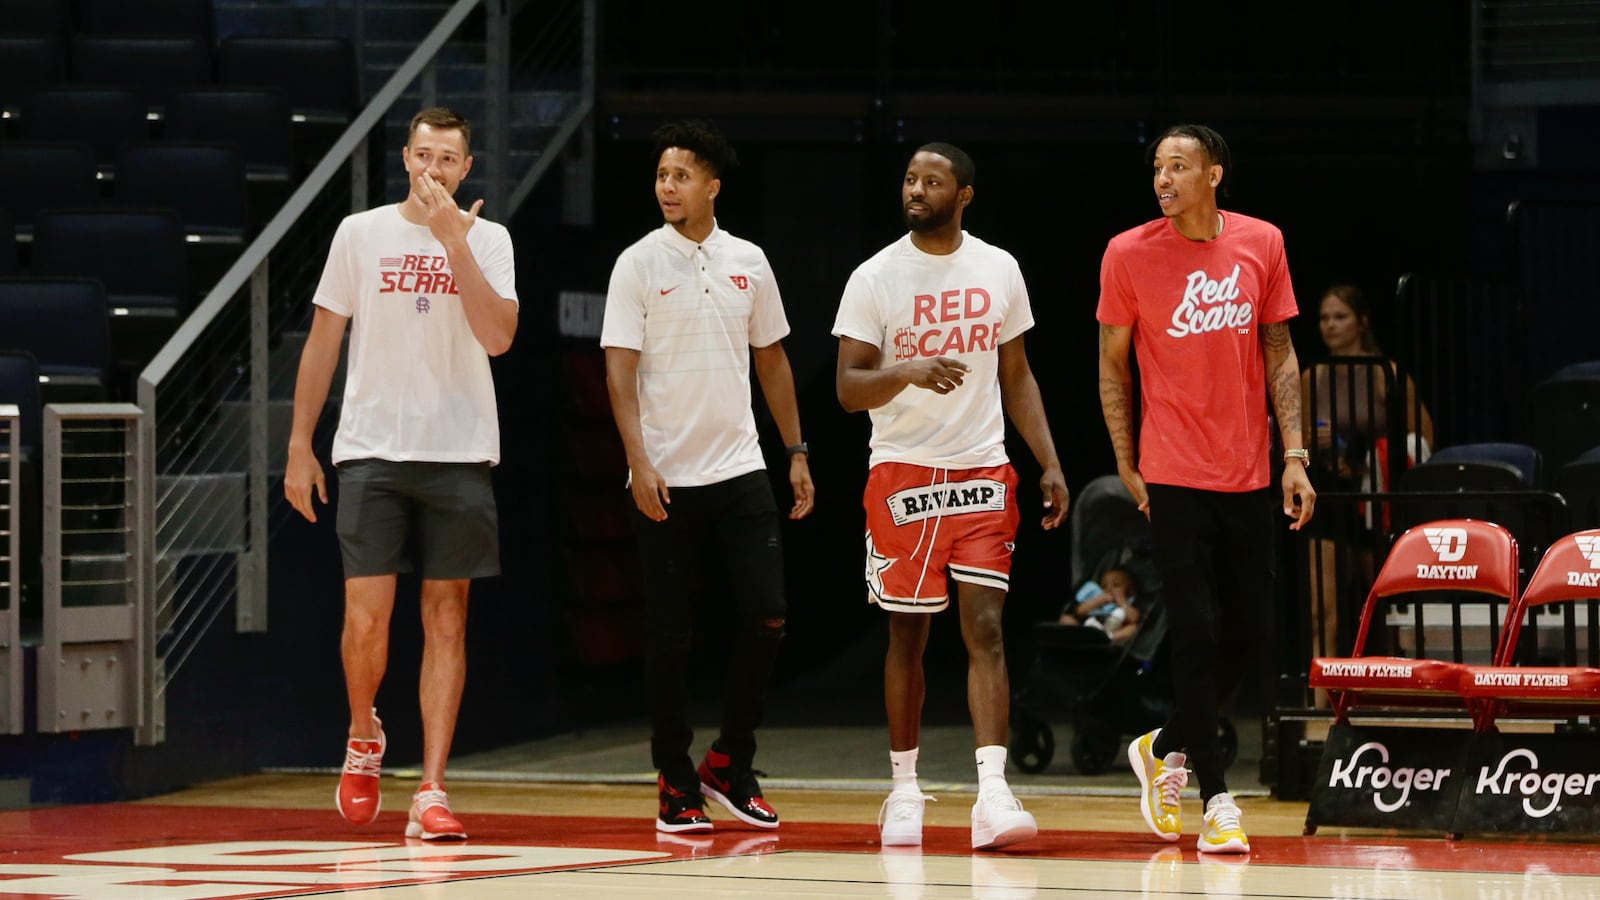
(1222, 832)
(900, 818)
(998, 819)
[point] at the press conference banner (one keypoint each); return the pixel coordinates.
(1531, 783)
(1406, 778)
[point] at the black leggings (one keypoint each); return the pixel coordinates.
(1216, 552)
(736, 523)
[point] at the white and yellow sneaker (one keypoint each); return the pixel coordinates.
(1160, 781)
(1222, 832)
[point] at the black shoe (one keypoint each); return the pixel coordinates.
(736, 789)
(681, 811)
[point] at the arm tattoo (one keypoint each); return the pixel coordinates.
(1283, 377)
(1114, 405)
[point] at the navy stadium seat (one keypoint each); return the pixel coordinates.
(104, 118)
(29, 17)
(204, 183)
(316, 74)
(138, 255)
(1579, 482)
(37, 175)
(1479, 467)
(8, 243)
(256, 122)
(64, 324)
(1564, 413)
(32, 62)
(150, 66)
(190, 18)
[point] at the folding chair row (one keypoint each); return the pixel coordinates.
(1474, 563)
(1531, 678)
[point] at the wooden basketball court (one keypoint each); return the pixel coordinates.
(277, 835)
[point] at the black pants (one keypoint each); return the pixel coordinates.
(1216, 554)
(732, 527)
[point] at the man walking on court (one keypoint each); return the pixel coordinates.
(688, 307)
(930, 343)
(1205, 297)
(429, 293)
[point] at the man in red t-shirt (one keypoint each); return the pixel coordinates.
(1206, 298)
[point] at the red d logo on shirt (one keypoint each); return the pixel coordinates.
(741, 282)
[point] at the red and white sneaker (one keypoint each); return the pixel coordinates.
(736, 788)
(431, 818)
(358, 798)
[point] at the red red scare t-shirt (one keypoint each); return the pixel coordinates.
(1196, 308)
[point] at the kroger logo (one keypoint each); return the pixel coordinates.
(1532, 784)
(1377, 777)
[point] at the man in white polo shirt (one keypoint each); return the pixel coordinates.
(930, 342)
(688, 307)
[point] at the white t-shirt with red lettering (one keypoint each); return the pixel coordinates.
(915, 305)
(1196, 308)
(418, 386)
(693, 311)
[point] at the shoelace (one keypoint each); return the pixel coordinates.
(1223, 818)
(901, 805)
(1170, 783)
(743, 782)
(1004, 800)
(360, 762)
(429, 798)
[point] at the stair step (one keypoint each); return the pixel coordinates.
(200, 513)
(233, 424)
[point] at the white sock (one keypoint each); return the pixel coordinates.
(992, 768)
(903, 764)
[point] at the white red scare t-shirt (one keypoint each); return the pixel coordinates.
(693, 311)
(1196, 308)
(418, 386)
(915, 305)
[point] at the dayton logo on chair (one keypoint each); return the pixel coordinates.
(1589, 546)
(1451, 545)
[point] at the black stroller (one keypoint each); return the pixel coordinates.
(1111, 690)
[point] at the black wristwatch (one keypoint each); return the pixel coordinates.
(801, 447)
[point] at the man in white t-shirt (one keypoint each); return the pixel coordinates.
(942, 312)
(688, 307)
(429, 293)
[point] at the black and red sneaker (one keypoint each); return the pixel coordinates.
(736, 788)
(681, 811)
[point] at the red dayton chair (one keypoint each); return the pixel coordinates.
(1455, 555)
(1569, 574)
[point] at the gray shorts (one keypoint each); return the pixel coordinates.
(437, 519)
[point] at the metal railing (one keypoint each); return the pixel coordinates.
(211, 439)
(11, 572)
(95, 656)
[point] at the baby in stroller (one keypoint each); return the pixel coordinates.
(1106, 604)
(1111, 681)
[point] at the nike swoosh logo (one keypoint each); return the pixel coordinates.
(668, 291)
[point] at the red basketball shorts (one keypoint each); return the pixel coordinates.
(925, 523)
